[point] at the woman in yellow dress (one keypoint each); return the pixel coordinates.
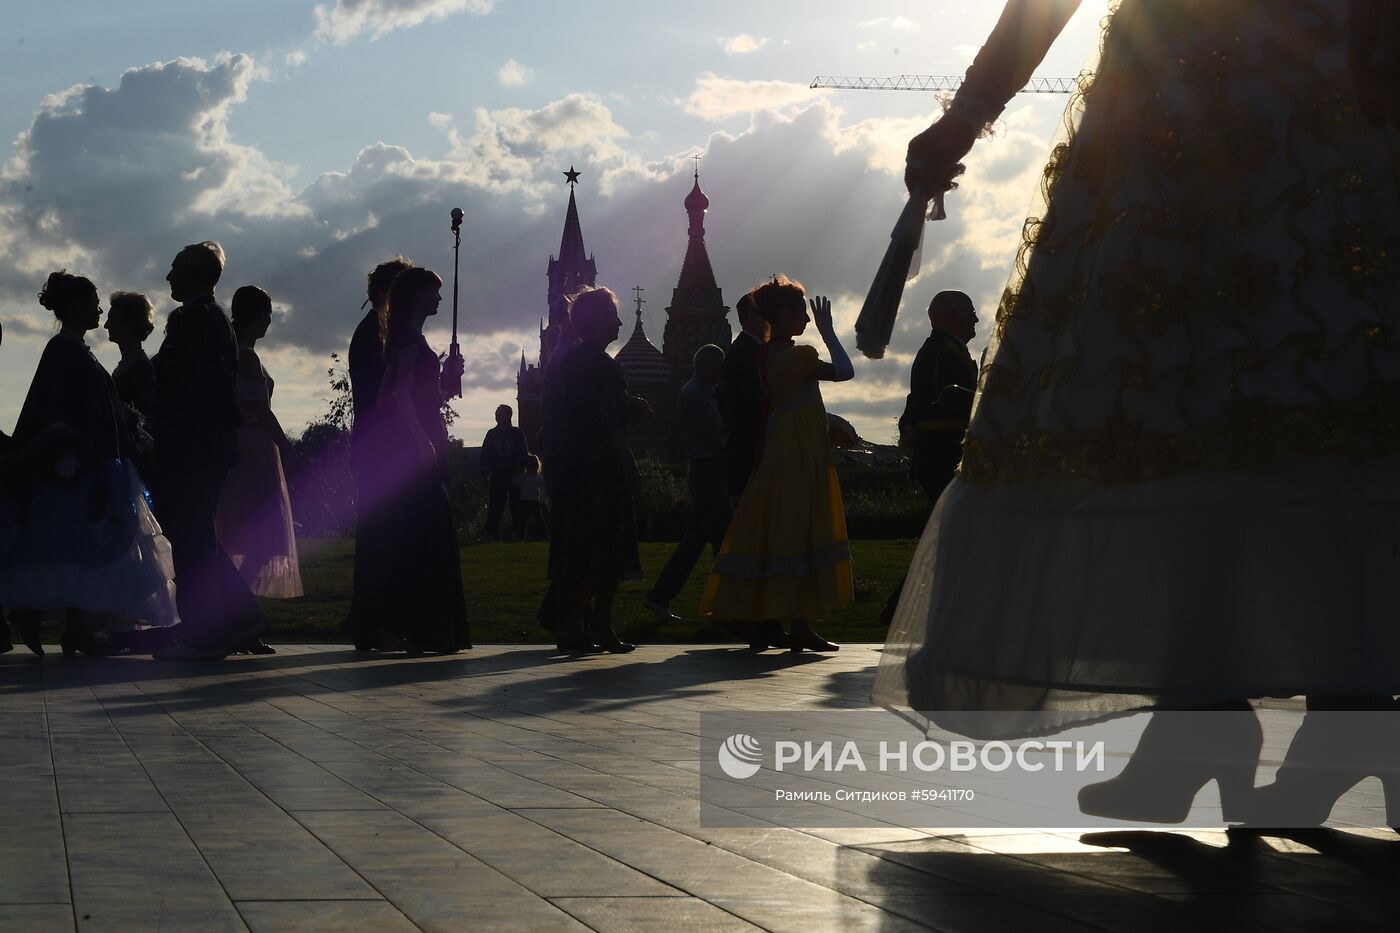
(786, 555)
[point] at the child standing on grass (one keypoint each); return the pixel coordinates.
(532, 523)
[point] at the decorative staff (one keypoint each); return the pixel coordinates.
(452, 375)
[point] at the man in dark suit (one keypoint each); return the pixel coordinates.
(366, 365)
(941, 385)
(701, 432)
(503, 453)
(196, 428)
(742, 403)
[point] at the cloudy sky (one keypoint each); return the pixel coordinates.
(314, 139)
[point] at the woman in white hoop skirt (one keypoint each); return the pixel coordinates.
(1181, 483)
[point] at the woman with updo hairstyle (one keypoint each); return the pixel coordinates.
(419, 602)
(78, 532)
(787, 555)
(254, 520)
(593, 541)
(130, 320)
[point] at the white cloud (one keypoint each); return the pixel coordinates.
(742, 44)
(897, 23)
(716, 98)
(507, 147)
(514, 74)
(152, 154)
(348, 19)
(866, 45)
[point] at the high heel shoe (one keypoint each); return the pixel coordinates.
(1332, 751)
(1178, 753)
(610, 643)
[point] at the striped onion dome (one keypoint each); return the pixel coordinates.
(641, 362)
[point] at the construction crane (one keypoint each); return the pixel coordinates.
(934, 83)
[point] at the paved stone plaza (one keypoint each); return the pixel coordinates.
(507, 788)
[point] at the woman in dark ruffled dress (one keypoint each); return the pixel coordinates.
(421, 603)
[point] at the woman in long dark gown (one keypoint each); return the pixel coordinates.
(77, 532)
(421, 603)
(593, 542)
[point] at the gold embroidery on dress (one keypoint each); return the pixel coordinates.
(1149, 327)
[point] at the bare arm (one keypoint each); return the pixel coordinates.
(1015, 48)
(274, 427)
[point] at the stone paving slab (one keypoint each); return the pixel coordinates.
(513, 789)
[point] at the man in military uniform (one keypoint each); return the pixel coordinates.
(941, 385)
(939, 405)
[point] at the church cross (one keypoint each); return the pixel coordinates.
(697, 157)
(637, 290)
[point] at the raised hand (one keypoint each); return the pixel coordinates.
(821, 313)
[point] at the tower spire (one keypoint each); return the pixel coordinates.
(697, 314)
(571, 243)
(570, 271)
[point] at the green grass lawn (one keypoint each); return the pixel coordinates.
(504, 583)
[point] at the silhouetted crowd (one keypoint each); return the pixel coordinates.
(146, 508)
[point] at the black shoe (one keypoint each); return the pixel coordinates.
(772, 633)
(614, 645)
(661, 608)
(605, 638)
